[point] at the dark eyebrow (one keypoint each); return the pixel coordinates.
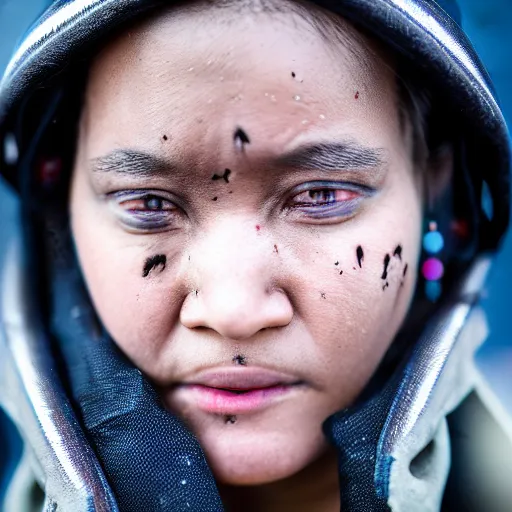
(127, 161)
(333, 156)
(328, 156)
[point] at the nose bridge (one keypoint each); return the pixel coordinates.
(235, 278)
(232, 256)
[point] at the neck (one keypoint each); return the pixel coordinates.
(314, 488)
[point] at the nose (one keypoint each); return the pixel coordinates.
(237, 277)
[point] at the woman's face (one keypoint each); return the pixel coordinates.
(247, 216)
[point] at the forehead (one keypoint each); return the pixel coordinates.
(296, 63)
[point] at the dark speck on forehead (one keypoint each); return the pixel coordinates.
(240, 138)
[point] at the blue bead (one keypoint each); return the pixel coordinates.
(433, 242)
(433, 290)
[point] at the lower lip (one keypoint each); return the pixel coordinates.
(219, 401)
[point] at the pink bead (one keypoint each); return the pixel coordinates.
(432, 269)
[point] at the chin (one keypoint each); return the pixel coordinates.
(247, 456)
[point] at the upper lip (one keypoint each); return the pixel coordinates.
(241, 378)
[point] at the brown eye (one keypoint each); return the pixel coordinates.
(324, 197)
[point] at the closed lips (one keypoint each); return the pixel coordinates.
(235, 390)
(241, 379)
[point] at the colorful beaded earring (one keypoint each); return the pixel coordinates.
(433, 268)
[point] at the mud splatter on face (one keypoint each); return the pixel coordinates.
(293, 74)
(240, 360)
(337, 263)
(404, 273)
(276, 250)
(356, 96)
(360, 256)
(158, 261)
(240, 138)
(387, 259)
(323, 296)
(165, 137)
(215, 198)
(224, 177)
(398, 252)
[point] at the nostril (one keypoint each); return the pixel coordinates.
(200, 329)
(236, 309)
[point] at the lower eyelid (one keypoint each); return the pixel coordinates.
(145, 220)
(142, 224)
(329, 211)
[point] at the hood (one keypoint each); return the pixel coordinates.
(398, 422)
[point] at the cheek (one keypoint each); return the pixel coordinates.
(137, 311)
(356, 289)
(138, 315)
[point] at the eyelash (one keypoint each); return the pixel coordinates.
(346, 198)
(150, 212)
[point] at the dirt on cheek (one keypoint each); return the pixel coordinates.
(158, 261)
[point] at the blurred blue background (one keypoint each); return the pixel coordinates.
(489, 25)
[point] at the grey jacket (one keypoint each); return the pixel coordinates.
(450, 439)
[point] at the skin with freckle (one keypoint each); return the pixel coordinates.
(290, 311)
(241, 360)
(224, 177)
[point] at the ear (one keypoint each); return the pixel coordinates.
(438, 176)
